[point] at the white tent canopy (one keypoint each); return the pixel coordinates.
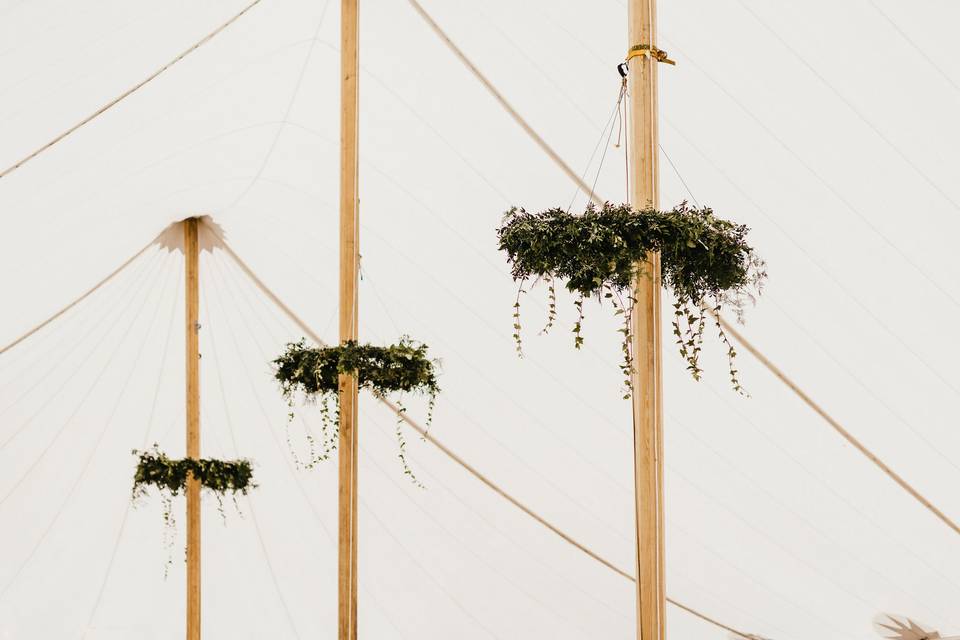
(826, 127)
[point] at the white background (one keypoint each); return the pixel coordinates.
(828, 127)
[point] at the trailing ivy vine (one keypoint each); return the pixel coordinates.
(313, 373)
(705, 262)
(220, 477)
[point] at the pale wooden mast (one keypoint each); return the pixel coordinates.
(646, 380)
(349, 270)
(191, 253)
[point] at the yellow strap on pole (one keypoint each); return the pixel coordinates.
(651, 52)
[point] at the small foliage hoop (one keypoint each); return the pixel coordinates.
(705, 262)
(313, 372)
(220, 477)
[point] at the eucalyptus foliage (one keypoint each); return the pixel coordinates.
(705, 262)
(314, 373)
(220, 477)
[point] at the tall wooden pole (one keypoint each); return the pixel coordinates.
(646, 379)
(349, 270)
(191, 252)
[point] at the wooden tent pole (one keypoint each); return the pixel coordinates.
(349, 270)
(191, 252)
(646, 380)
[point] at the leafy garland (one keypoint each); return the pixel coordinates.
(313, 372)
(219, 477)
(704, 260)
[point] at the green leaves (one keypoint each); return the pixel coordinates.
(703, 260)
(218, 476)
(315, 371)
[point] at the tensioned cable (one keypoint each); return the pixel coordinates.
(740, 338)
(411, 0)
(869, 455)
(503, 101)
(536, 472)
(812, 170)
(849, 294)
(833, 422)
(129, 91)
(63, 383)
(436, 132)
(86, 396)
(530, 512)
(86, 465)
(363, 503)
(453, 456)
(510, 581)
(677, 171)
(873, 127)
(828, 487)
(807, 612)
(80, 299)
(760, 531)
(216, 269)
(233, 440)
(550, 610)
(878, 320)
(915, 46)
(63, 353)
(21, 365)
(700, 488)
(558, 380)
(824, 270)
(540, 142)
(214, 263)
(804, 522)
(584, 507)
(91, 39)
(190, 97)
(303, 492)
(286, 114)
(597, 411)
(145, 444)
(425, 123)
(468, 506)
(446, 591)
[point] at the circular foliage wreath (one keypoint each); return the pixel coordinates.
(704, 260)
(314, 372)
(220, 477)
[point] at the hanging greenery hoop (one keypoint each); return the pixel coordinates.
(705, 262)
(219, 477)
(313, 373)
